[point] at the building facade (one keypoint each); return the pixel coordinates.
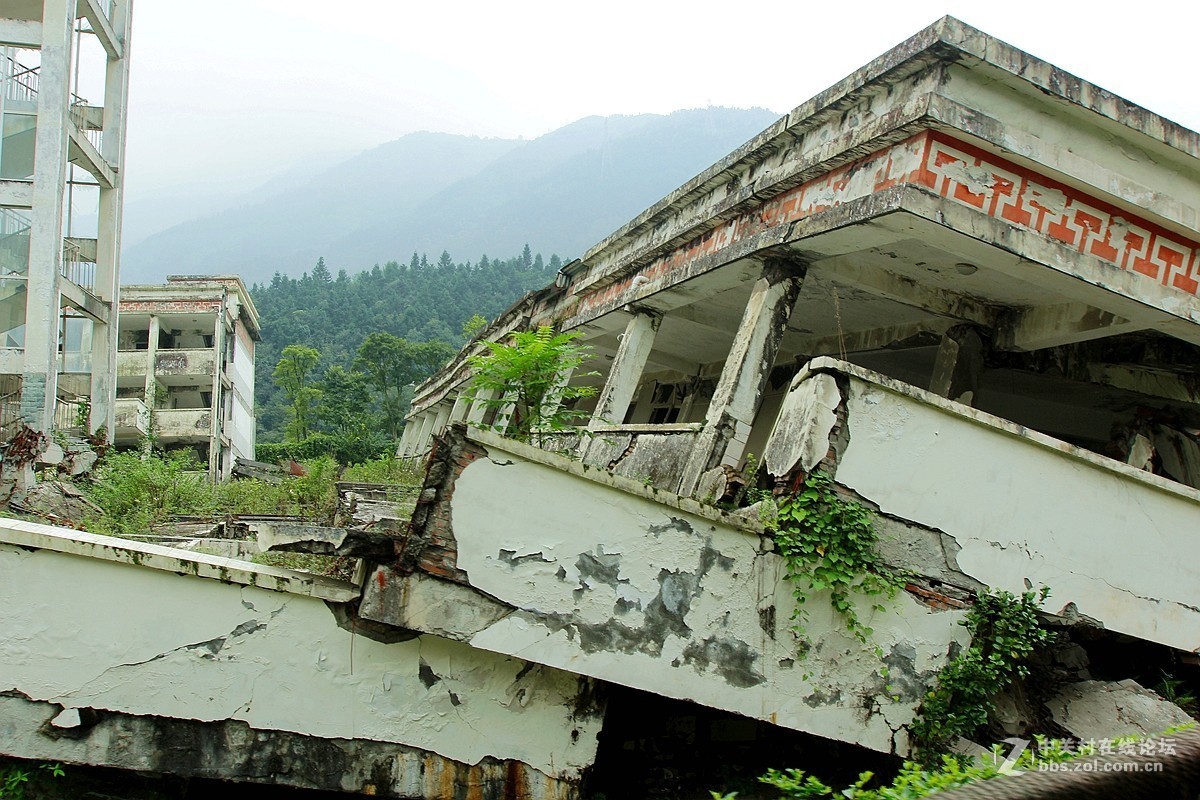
(961, 284)
(185, 368)
(63, 94)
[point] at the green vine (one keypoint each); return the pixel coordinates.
(1005, 632)
(829, 542)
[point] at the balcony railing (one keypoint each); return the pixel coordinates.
(83, 115)
(69, 413)
(18, 82)
(77, 268)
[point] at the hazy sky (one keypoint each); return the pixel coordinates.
(227, 92)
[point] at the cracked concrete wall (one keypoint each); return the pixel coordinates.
(613, 580)
(174, 646)
(1021, 508)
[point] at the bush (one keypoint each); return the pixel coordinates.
(347, 447)
(137, 491)
(387, 469)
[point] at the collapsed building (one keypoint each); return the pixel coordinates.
(961, 282)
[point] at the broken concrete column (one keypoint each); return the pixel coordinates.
(959, 365)
(740, 388)
(628, 364)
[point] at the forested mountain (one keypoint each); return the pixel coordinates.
(288, 230)
(418, 301)
(428, 192)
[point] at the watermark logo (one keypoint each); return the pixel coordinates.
(1009, 765)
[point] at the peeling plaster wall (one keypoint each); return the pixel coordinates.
(617, 586)
(86, 633)
(1121, 545)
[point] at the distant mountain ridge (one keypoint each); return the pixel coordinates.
(428, 192)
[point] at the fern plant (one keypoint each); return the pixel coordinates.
(526, 372)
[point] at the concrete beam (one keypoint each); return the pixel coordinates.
(626, 371)
(85, 155)
(1065, 323)
(32, 536)
(16, 194)
(79, 298)
(915, 334)
(908, 291)
(105, 34)
(1181, 388)
(673, 362)
(21, 32)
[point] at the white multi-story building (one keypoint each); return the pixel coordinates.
(61, 159)
(185, 367)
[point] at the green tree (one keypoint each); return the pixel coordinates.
(345, 399)
(391, 364)
(528, 371)
(320, 272)
(472, 327)
(292, 375)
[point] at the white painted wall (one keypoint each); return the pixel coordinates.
(1122, 545)
(87, 632)
(241, 430)
(538, 563)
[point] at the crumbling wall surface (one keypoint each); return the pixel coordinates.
(652, 454)
(577, 569)
(1020, 508)
(86, 633)
(233, 751)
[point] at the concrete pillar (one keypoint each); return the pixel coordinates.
(553, 398)
(440, 420)
(406, 439)
(479, 407)
(626, 371)
(959, 365)
(151, 357)
(461, 405)
(108, 238)
(216, 403)
(740, 388)
(508, 404)
(421, 445)
(39, 386)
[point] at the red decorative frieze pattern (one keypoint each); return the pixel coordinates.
(1001, 189)
(163, 307)
(963, 173)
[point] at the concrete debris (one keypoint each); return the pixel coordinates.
(245, 468)
(319, 540)
(1099, 709)
(81, 462)
(53, 454)
(57, 500)
(374, 505)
